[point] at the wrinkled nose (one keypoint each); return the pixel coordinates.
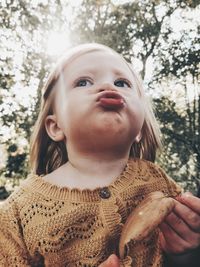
(107, 87)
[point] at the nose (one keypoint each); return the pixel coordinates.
(107, 87)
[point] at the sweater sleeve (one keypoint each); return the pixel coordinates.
(13, 250)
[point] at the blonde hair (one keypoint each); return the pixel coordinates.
(47, 155)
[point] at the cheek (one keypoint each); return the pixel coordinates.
(136, 118)
(137, 111)
(74, 115)
(141, 113)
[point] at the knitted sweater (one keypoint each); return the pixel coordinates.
(45, 225)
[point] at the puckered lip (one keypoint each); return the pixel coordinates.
(110, 94)
(111, 100)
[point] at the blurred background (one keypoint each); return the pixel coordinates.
(160, 38)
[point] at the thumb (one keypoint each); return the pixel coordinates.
(112, 261)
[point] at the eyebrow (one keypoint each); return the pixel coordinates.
(119, 72)
(88, 70)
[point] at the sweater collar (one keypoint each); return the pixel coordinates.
(37, 184)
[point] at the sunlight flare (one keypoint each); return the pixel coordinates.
(57, 43)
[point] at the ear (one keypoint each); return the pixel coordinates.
(138, 137)
(52, 128)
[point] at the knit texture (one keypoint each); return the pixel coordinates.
(45, 225)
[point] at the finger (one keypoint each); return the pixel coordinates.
(112, 261)
(171, 242)
(190, 201)
(190, 217)
(182, 229)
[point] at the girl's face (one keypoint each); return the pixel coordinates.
(96, 102)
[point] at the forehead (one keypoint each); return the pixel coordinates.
(94, 60)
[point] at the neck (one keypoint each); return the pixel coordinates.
(97, 166)
(92, 171)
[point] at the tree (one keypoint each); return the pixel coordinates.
(179, 155)
(180, 63)
(23, 64)
(133, 29)
(140, 29)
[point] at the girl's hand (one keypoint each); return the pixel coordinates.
(180, 231)
(112, 261)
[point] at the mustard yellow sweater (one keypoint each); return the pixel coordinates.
(44, 225)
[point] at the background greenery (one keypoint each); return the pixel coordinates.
(161, 38)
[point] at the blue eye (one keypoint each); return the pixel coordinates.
(83, 83)
(122, 83)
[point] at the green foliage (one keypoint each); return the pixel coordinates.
(139, 29)
(181, 149)
(24, 29)
(15, 165)
(138, 24)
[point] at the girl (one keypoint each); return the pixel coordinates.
(92, 155)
